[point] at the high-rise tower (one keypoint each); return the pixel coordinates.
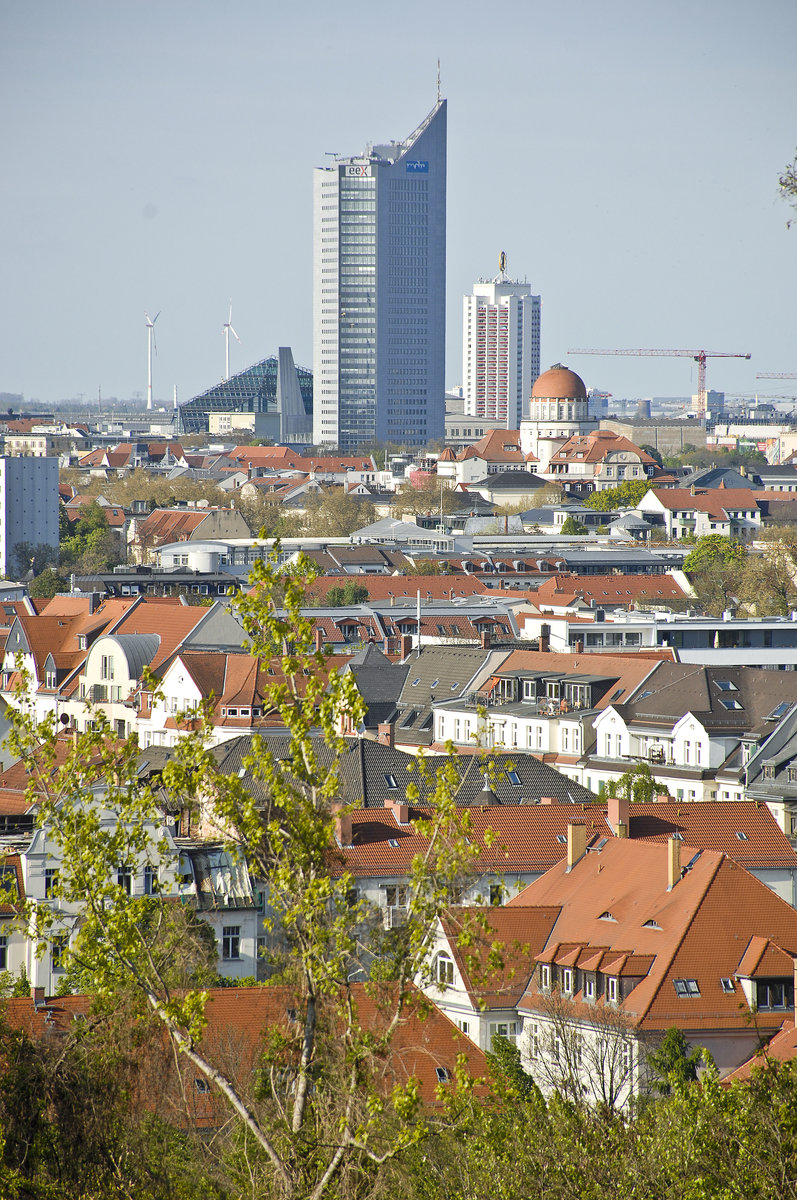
(500, 347)
(379, 292)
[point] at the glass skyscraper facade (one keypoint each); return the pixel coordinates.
(254, 390)
(379, 292)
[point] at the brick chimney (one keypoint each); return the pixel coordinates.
(576, 844)
(405, 645)
(386, 733)
(319, 639)
(400, 810)
(37, 995)
(673, 862)
(343, 830)
(618, 815)
(485, 639)
(547, 800)
(578, 648)
(544, 643)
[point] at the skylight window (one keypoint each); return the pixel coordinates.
(651, 924)
(725, 685)
(513, 777)
(390, 780)
(607, 916)
(435, 682)
(727, 984)
(730, 703)
(644, 695)
(686, 987)
(616, 695)
(561, 839)
(454, 686)
(742, 836)
(393, 842)
(779, 711)
(415, 682)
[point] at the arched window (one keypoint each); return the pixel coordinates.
(445, 968)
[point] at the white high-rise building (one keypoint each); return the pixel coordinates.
(379, 251)
(500, 347)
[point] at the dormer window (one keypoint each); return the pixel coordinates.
(612, 989)
(567, 981)
(775, 993)
(82, 641)
(545, 976)
(444, 969)
(589, 987)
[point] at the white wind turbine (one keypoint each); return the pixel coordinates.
(151, 345)
(227, 329)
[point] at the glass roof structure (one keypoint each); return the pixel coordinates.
(253, 390)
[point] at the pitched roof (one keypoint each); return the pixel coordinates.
(715, 502)
(616, 900)
(513, 936)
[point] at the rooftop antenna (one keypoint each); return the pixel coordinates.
(174, 402)
(151, 345)
(502, 264)
(438, 81)
(227, 329)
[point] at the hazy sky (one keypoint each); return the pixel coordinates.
(158, 156)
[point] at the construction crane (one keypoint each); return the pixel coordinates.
(698, 356)
(777, 375)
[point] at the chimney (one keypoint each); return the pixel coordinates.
(617, 815)
(579, 647)
(319, 639)
(485, 639)
(385, 733)
(400, 810)
(37, 996)
(343, 831)
(546, 800)
(673, 862)
(576, 844)
(405, 645)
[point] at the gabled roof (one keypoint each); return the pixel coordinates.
(595, 447)
(618, 899)
(520, 934)
(715, 502)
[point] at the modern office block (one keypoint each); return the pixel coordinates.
(28, 512)
(379, 292)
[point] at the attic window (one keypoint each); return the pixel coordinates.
(443, 1074)
(678, 835)
(768, 772)
(454, 686)
(201, 1085)
(778, 711)
(435, 682)
(409, 718)
(393, 843)
(651, 924)
(644, 695)
(607, 916)
(390, 780)
(415, 682)
(686, 987)
(727, 984)
(513, 777)
(616, 695)
(731, 703)
(561, 839)
(742, 836)
(725, 685)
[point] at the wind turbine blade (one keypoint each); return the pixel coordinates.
(157, 314)
(234, 334)
(146, 314)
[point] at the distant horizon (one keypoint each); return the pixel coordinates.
(626, 159)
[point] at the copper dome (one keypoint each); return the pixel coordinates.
(560, 383)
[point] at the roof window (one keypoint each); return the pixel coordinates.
(393, 842)
(513, 777)
(616, 695)
(607, 916)
(651, 924)
(726, 685)
(730, 703)
(686, 987)
(727, 984)
(742, 836)
(778, 711)
(561, 839)
(443, 1074)
(644, 695)
(390, 780)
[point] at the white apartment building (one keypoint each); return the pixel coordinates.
(500, 348)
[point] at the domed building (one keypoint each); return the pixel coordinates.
(557, 409)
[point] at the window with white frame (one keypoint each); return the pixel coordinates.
(444, 968)
(506, 1029)
(627, 1058)
(231, 942)
(589, 987)
(463, 1026)
(567, 981)
(106, 666)
(534, 1040)
(545, 976)
(612, 989)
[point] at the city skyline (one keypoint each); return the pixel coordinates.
(158, 159)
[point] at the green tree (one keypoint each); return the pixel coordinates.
(627, 495)
(332, 1125)
(637, 785)
(672, 1064)
(571, 527)
(347, 595)
(334, 512)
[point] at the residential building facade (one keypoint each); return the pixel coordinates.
(500, 348)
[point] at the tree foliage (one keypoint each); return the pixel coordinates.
(788, 183)
(573, 528)
(346, 595)
(330, 1124)
(627, 495)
